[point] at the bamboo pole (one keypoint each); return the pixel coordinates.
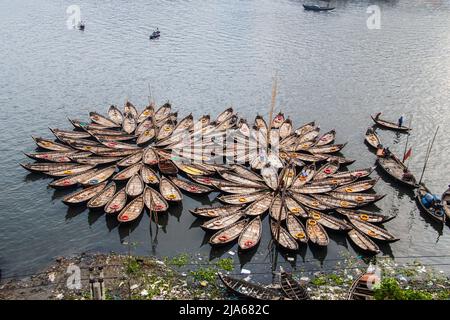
(272, 106)
(427, 156)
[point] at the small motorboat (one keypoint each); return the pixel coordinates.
(314, 7)
(155, 35)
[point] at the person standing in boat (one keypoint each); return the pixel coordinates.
(400, 121)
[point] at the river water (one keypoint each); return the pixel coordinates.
(331, 68)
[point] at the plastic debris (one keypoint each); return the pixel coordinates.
(245, 271)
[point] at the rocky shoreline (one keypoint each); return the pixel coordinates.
(128, 277)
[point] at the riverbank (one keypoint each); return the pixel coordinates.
(144, 278)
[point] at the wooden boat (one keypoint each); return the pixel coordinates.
(311, 202)
(291, 288)
(171, 117)
(116, 153)
(316, 233)
(228, 234)
(246, 173)
(169, 190)
(446, 202)
(307, 137)
(308, 189)
(359, 173)
(120, 145)
(363, 215)
(114, 137)
(305, 128)
(335, 203)
(288, 174)
(81, 142)
(251, 234)
(242, 198)
(165, 131)
(278, 209)
(278, 120)
(129, 124)
(190, 187)
(362, 287)
(117, 202)
(342, 160)
(85, 125)
(51, 145)
(48, 167)
(148, 112)
(97, 160)
(73, 180)
(69, 172)
(224, 115)
(317, 8)
(282, 237)
(359, 198)
(149, 157)
(80, 155)
(243, 127)
(131, 159)
(128, 172)
(358, 186)
(214, 212)
(132, 210)
(363, 241)
(102, 120)
(294, 207)
(145, 136)
(84, 195)
(296, 229)
(304, 176)
(193, 170)
(115, 115)
(372, 139)
(372, 230)
(135, 186)
(389, 125)
(148, 175)
(100, 176)
(394, 168)
(162, 112)
(105, 132)
(326, 138)
(154, 201)
(286, 129)
(438, 215)
(130, 109)
(303, 156)
(328, 221)
(145, 125)
(248, 289)
(326, 170)
(222, 221)
(102, 198)
(230, 187)
(52, 156)
(237, 178)
(186, 124)
(327, 148)
(334, 182)
(167, 167)
(64, 134)
(94, 149)
(259, 206)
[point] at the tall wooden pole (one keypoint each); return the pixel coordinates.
(427, 156)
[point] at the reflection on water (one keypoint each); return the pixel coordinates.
(332, 69)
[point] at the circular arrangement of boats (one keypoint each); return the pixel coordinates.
(129, 160)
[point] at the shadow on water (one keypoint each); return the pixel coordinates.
(111, 221)
(246, 256)
(34, 176)
(196, 223)
(94, 215)
(176, 210)
(62, 192)
(436, 225)
(126, 229)
(74, 211)
(161, 219)
(338, 237)
(218, 251)
(319, 253)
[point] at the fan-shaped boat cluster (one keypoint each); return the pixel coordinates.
(128, 160)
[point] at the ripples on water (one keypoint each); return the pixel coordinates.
(212, 54)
